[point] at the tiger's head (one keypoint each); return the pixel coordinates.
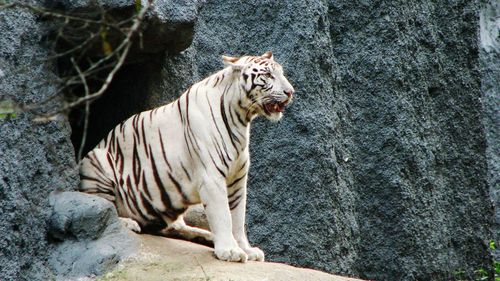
(267, 90)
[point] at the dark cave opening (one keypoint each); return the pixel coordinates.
(127, 95)
(129, 91)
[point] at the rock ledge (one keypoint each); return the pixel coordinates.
(162, 258)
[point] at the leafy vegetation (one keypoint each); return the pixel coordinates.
(7, 109)
(482, 273)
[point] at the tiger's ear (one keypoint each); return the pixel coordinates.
(232, 61)
(268, 55)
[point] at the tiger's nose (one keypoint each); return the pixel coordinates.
(289, 93)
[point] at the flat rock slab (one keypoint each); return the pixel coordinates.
(162, 259)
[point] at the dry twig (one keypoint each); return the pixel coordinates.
(114, 59)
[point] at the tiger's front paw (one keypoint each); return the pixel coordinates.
(255, 254)
(231, 254)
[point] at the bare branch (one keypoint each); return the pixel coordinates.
(125, 44)
(87, 109)
(114, 60)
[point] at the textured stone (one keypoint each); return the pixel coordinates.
(378, 169)
(80, 216)
(35, 158)
(195, 216)
(161, 259)
(88, 237)
(490, 84)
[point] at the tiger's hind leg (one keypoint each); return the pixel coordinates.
(130, 224)
(97, 175)
(179, 229)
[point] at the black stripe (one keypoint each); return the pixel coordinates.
(121, 158)
(185, 171)
(235, 191)
(121, 126)
(235, 202)
(145, 186)
(217, 127)
(236, 181)
(135, 123)
(143, 131)
(127, 193)
(234, 124)
(98, 168)
(179, 189)
(243, 166)
(238, 117)
(213, 161)
(165, 199)
(246, 116)
(187, 105)
(148, 208)
(179, 108)
(219, 152)
(226, 123)
(187, 144)
(253, 82)
(190, 131)
(98, 191)
(113, 140)
(89, 178)
(136, 162)
(110, 161)
(163, 152)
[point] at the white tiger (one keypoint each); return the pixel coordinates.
(156, 163)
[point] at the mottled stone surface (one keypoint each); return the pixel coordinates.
(490, 80)
(161, 258)
(87, 236)
(34, 158)
(378, 169)
(411, 75)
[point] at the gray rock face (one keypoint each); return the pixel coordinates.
(378, 168)
(34, 158)
(88, 237)
(490, 84)
(416, 138)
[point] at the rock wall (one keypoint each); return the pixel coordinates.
(490, 86)
(410, 72)
(378, 169)
(35, 158)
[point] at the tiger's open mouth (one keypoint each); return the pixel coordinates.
(275, 107)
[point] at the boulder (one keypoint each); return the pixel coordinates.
(88, 238)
